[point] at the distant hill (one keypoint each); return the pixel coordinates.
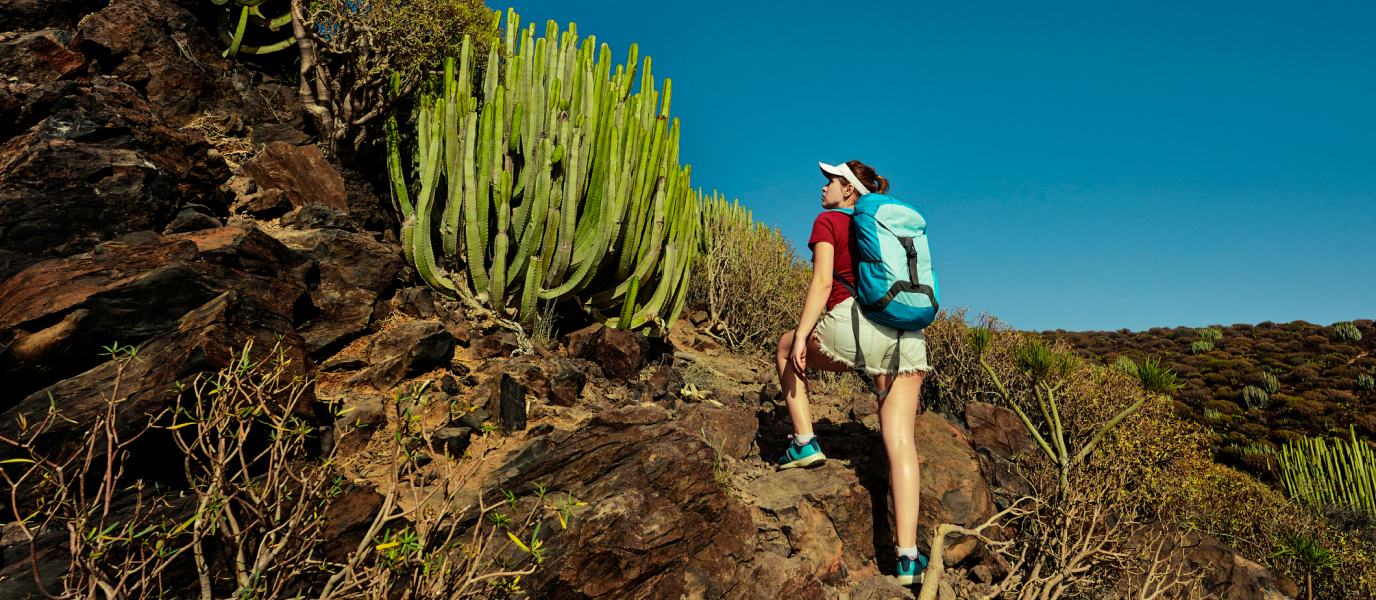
(1322, 379)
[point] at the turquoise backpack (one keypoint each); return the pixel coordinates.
(894, 281)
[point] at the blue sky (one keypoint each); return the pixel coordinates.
(1081, 165)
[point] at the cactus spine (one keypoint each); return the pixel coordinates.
(551, 181)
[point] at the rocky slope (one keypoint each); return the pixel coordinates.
(156, 195)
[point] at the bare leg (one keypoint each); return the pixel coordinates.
(897, 419)
(792, 383)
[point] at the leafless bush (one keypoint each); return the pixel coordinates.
(253, 519)
(752, 281)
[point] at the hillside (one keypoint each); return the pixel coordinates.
(1319, 384)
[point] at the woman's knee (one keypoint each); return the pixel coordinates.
(785, 345)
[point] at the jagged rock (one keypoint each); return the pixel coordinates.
(263, 204)
(61, 312)
(498, 343)
(93, 164)
(665, 379)
(449, 385)
(39, 56)
(343, 362)
(879, 587)
(367, 210)
(361, 414)
(452, 440)
(416, 302)
(620, 353)
(318, 216)
(404, 351)
(997, 428)
(350, 515)
(302, 174)
(267, 133)
(474, 420)
(863, 405)
(733, 429)
(567, 385)
(512, 404)
(353, 271)
(201, 340)
(772, 576)
(656, 524)
(160, 48)
(192, 218)
(822, 517)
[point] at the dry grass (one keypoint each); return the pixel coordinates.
(752, 282)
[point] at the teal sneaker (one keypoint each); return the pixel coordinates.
(807, 455)
(910, 569)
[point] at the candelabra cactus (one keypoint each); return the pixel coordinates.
(551, 181)
(1201, 346)
(1365, 382)
(1209, 334)
(1347, 332)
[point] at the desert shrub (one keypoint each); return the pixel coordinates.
(1339, 396)
(1303, 373)
(1315, 340)
(1224, 406)
(1215, 379)
(1367, 421)
(752, 282)
(1267, 347)
(1310, 408)
(956, 375)
(1254, 431)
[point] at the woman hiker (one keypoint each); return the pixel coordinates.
(826, 339)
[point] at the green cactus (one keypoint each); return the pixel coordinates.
(1269, 382)
(1365, 382)
(1200, 347)
(1255, 397)
(1126, 365)
(550, 168)
(1342, 472)
(1347, 332)
(248, 11)
(1209, 334)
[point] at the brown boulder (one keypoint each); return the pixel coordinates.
(405, 351)
(38, 56)
(160, 48)
(620, 353)
(731, 429)
(353, 270)
(821, 518)
(655, 524)
(302, 174)
(997, 429)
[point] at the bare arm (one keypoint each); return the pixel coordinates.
(823, 256)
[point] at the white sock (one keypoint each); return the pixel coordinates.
(802, 440)
(908, 552)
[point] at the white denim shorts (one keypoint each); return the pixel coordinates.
(886, 350)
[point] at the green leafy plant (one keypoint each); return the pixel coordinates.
(1201, 347)
(549, 180)
(1126, 365)
(1308, 553)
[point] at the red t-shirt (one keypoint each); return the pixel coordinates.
(834, 228)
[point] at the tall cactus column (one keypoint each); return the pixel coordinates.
(550, 181)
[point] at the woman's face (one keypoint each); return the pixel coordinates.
(834, 193)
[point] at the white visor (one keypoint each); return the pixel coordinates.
(843, 170)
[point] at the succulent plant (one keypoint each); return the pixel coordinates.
(1269, 382)
(1255, 397)
(1347, 332)
(1365, 382)
(1209, 334)
(1125, 365)
(249, 12)
(1200, 347)
(1321, 472)
(551, 181)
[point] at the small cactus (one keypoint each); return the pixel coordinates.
(1126, 365)
(1255, 397)
(1347, 332)
(1200, 347)
(1209, 334)
(1269, 383)
(1366, 382)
